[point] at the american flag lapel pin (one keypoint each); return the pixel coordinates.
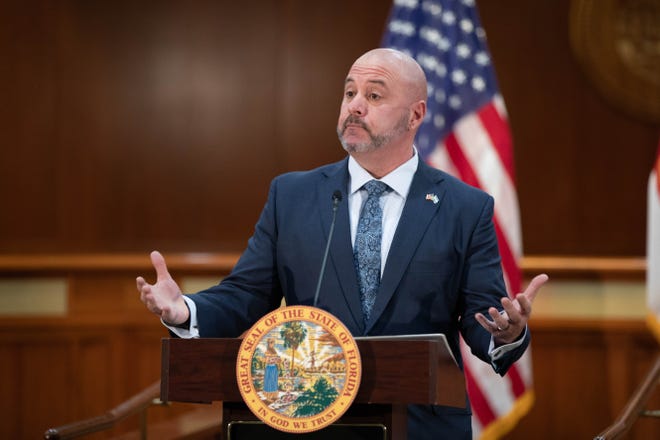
(432, 197)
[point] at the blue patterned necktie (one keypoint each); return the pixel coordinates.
(366, 251)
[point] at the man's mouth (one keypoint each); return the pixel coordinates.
(354, 123)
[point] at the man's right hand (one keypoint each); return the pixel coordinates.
(163, 298)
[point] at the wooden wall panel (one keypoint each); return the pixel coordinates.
(9, 391)
(94, 375)
(61, 371)
(105, 349)
(46, 383)
(128, 126)
(584, 373)
(56, 370)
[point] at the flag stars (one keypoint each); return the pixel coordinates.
(466, 25)
(455, 102)
(441, 70)
(431, 64)
(410, 4)
(463, 50)
(444, 44)
(432, 8)
(478, 84)
(481, 33)
(482, 58)
(427, 61)
(402, 27)
(435, 38)
(447, 40)
(458, 77)
(449, 18)
(431, 35)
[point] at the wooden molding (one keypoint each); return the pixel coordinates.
(584, 266)
(114, 262)
(556, 266)
(204, 262)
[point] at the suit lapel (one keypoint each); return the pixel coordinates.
(415, 218)
(341, 249)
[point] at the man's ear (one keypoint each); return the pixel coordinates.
(417, 113)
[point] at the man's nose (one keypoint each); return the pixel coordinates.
(357, 106)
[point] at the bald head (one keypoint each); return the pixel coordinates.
(401, 66)
(384, 105)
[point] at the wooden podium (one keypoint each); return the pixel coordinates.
(396, 371)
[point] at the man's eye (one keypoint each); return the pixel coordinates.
(374, 96)
(349, 93)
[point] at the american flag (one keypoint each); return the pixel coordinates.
(466, 133)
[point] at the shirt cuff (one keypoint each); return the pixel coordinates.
(192, 331)
(497, 353)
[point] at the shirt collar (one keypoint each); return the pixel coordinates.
(399, 179)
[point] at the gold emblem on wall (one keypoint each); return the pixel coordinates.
(298, 369)
(618, 45)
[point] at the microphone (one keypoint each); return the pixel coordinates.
(336, 198)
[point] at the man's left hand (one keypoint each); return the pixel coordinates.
(508, 325)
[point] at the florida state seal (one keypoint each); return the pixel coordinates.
(298, 369)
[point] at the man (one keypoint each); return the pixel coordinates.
(437, 267)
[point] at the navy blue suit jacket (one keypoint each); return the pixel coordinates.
(442, 268)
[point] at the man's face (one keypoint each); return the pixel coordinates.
(373, 110)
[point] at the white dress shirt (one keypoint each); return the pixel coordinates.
(391, 202)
